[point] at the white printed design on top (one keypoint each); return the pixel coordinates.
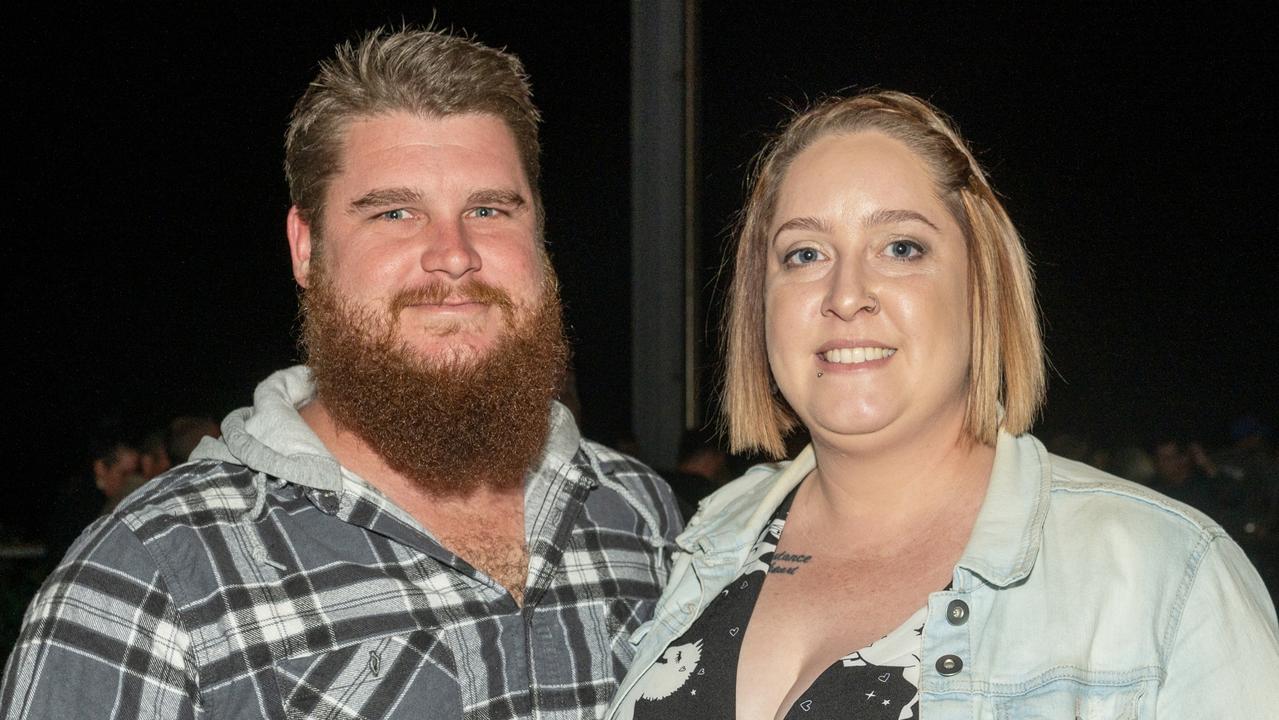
(672, 670)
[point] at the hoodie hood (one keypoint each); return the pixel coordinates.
(272, 438)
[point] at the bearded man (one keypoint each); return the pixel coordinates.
(409, 525)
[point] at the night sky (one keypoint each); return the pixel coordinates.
(149, 272)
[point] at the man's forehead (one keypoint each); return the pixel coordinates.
(445, 128)
(449, 146)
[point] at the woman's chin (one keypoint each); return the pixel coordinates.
(843, 428)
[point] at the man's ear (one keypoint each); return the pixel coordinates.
(299, 232)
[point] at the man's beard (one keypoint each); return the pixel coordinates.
(450, 424)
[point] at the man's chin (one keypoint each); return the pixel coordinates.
(450, 412)
(451, 350)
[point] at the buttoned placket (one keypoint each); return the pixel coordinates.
(557, 512)
(946, 649)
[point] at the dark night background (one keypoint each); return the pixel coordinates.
(148, 272)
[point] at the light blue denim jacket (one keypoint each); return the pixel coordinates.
(1084, 596)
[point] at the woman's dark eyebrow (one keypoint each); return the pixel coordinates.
(381, 197)
(890, 217)
(803, 223)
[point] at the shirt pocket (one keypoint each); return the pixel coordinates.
(1071, 700)
(399, 676)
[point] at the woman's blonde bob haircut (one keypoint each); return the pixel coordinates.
(1006, 363)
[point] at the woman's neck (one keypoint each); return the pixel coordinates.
(860, 482)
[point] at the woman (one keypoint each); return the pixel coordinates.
(923, 557)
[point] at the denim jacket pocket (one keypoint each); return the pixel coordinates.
(377, 679)
(1073, 700)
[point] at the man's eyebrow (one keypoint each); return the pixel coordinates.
(382, 197)
(890, 217)
(493, 196)
(803, 223)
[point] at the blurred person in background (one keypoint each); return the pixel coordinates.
(701, 467)
(185, 432)
(153, 454)
(1185, 472)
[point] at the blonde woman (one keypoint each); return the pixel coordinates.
(924, 557)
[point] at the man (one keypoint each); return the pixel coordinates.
(116, 471)
(153, 455)
(185, 433)
(113, 467)
(408, 526)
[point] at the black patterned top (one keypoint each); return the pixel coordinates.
(696, 677)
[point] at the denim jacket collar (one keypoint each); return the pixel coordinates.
(728, 522)
(1013, 508)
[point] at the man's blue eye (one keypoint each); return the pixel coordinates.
(485, 212)
(400, 214)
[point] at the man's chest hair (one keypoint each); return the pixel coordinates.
(502, 556)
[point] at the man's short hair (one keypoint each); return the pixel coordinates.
(1006, 360)
(108, 447)
(420, 71)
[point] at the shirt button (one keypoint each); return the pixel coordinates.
(327, 501)
(957, 612)
(949, 665)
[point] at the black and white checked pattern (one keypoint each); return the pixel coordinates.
(220, 592)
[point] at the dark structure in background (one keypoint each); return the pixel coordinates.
(664, 343)
(1134, 147)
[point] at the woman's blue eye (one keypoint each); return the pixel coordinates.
(904, 249)
(802, 256)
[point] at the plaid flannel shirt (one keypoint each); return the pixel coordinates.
(280, 586)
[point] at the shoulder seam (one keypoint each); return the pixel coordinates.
(170, 580)
(1191, 577)
(1210, 529)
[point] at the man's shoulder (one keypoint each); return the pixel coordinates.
(616, 463)
(199, 492)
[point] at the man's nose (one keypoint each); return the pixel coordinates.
(448, 249)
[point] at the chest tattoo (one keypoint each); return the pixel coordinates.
(785, 563)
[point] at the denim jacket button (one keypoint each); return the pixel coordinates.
(689, 607)
(957, 612)
(949, 665)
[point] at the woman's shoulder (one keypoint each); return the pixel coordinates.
(1103, 525)
(1082, 489)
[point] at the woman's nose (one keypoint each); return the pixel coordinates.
(849, 293)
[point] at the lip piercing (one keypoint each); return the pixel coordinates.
(819, 373)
